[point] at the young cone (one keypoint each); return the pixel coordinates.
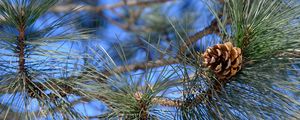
(223, 59)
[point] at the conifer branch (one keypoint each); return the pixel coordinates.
(212, 28)
(146, 65)
(67, 8)
(215, 89)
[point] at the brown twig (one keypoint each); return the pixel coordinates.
(21, 43)
(167, 102)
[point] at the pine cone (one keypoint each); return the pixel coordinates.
(224, 59)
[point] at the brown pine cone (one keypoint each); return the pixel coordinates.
(224, 59)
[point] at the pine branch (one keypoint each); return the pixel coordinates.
(294, 53)
(146, 65)
(67, 8)
(215, 89)
(212, 28)
(21, 47)
(104, 74)
(167, 102)
(101, 76)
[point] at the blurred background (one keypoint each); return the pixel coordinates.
(132, 24)
(77, 44)
(126, 29)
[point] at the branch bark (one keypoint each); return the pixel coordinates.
(21, 47)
